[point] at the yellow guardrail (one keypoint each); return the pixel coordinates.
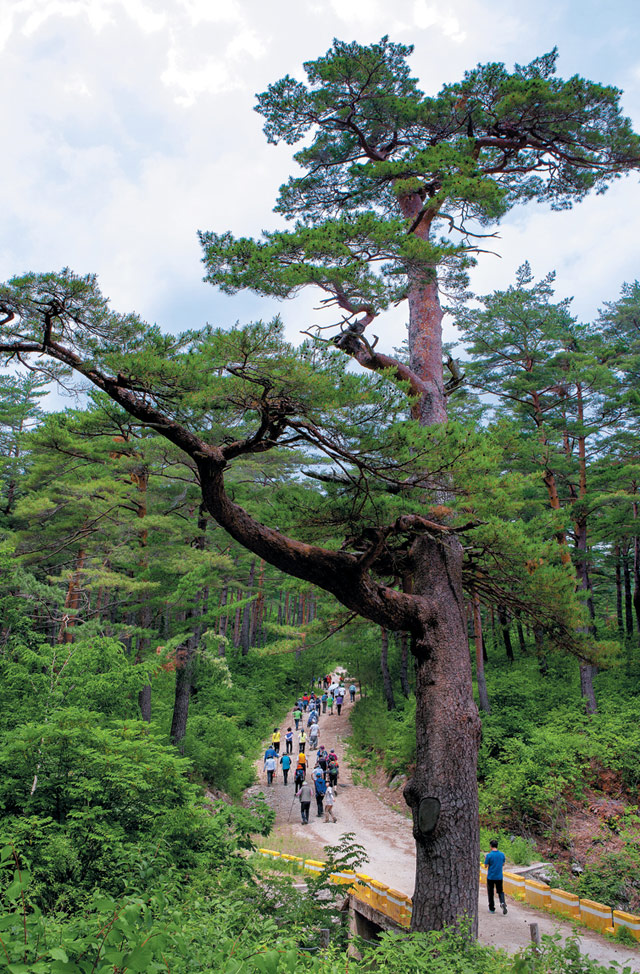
(398, 906)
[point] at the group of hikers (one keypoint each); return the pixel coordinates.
(323, 780)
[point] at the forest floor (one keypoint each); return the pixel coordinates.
(385, 833)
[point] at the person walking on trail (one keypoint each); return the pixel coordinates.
(323, 700)
(288, 740)
(298, 778)
(314, 732)
(329, 800)
(304, 797)
(302, 762)
(305, 702)
(275, 740)
(339, 699)
(352, 692)
(320, 787)
(330, 703)
(302, 741)
(313, 718)
(297, 717)
(321, 758)
(494, 861)
(333, 768)
(285, 761)
(270, 765)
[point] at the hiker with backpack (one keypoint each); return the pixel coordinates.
(352, 692)
(298, 778)
(320, 789)
(333, 770)
(285, 761)
(321, 758)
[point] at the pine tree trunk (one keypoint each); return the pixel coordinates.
(387, 685)
(483, 696)
(224, 618)
(618, 566)
(185, 658)
(245, 637)
(506, 635)
(628, 601)
(447, 739)
(523, 645)
(636, 568)
(404, 664)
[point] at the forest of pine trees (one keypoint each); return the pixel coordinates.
(221, 515)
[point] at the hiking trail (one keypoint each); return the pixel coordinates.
(387, 837)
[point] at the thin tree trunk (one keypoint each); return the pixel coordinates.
(483, 696)
(636, 566)
(618, 566)
(72, 600)
(245, 637)
(628, 601)
(185, 658)
(387, 685)
(404, 664)
(523, 645)
(506, 635)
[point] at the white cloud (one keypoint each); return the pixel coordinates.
(359, 11)
(428, 15)
(249, 42)
(188, 82)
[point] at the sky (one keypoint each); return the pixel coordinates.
(129, 125)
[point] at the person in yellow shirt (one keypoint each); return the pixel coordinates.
(302, 741)
(302, 760)
(275, 740)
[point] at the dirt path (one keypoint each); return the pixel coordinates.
(386, 836)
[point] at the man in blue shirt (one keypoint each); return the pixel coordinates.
(494, 861)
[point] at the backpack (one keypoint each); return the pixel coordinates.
(333, 765)
(299, 775)
(321, 786)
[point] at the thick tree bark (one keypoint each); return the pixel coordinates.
(483, 696)
(387, 685)
(447, 739)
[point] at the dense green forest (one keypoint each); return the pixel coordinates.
(222, 515)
